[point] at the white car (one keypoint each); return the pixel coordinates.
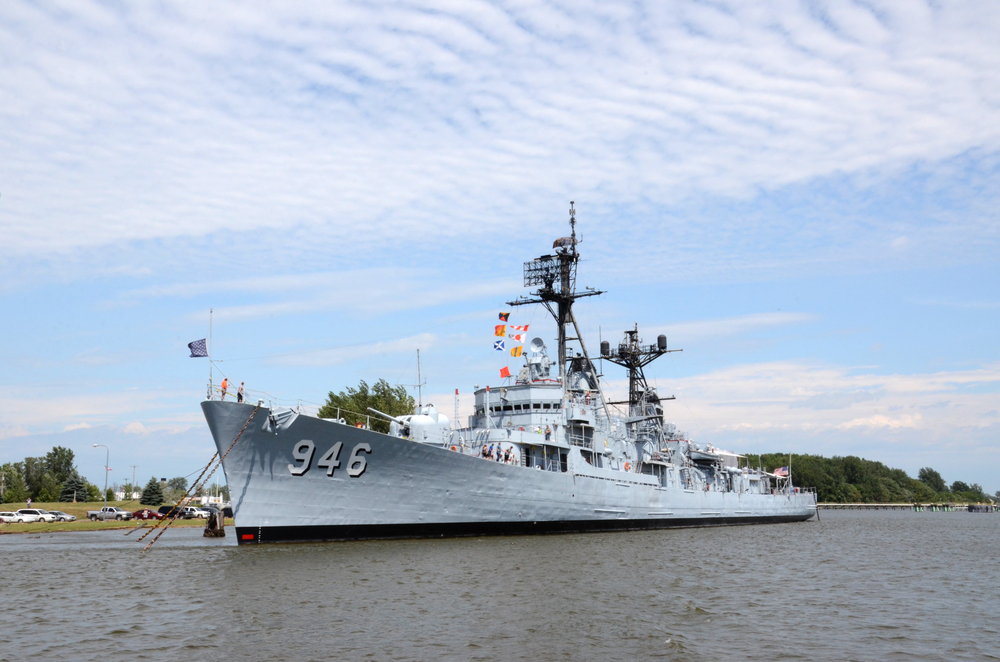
(39, 514)
(8, 516)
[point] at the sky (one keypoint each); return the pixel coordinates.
(803, 196)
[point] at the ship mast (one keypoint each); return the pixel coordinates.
(556, 274)
(634, 356)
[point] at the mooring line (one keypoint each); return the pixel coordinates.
(175, 512)
(217, 465)
(131, 531)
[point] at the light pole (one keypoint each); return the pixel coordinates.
(107, 460)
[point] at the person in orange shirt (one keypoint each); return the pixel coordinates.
(224, 385)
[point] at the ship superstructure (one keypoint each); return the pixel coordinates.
(546, 453)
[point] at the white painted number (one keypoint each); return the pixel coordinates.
(330, 461)
(358, 463)
(303, 451)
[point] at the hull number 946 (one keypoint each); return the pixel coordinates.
(304, 450)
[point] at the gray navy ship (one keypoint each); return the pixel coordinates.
(547, 453)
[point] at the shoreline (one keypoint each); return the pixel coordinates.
(79, 510)
(87, 525)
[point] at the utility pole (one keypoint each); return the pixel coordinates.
(133, 478)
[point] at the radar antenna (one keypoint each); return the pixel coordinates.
(632, 355)
(556, 276)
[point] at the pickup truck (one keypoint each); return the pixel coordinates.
(109, 512)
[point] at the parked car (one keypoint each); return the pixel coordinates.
(40, 515)
(168, 511)
(146, 513)
(109, 512)
(227, 511)
(63, 517)
(191, 512)
(12, 517)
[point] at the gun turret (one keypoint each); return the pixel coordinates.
(387, 416)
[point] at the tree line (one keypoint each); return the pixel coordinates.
(856, 480)
(54, 477)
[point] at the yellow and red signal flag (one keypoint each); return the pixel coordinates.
(516, 351)
(501, 330)
(519, 328)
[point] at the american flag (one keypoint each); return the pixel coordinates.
(198, 348)
(783, 471)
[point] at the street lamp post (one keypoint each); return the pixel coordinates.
(107, 460)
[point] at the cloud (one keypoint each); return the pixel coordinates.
(10, 431)
(424, 341)
(35, 409)
(135, 428)
(814, 399)
(731, 326)
(359, 124)
(76, 426)
(834, 400)
(370, 292)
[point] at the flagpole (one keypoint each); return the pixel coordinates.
(211, 394)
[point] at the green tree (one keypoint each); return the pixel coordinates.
(152, 494)
(959, 486)
(73, 489)
(43, 476)
(179, 484)
(176, 488)
(93, 492)
(110, 494)
(59, 462)
(12, 481)
(352, 404)
(932, 479)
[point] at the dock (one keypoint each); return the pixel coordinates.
(916, 507)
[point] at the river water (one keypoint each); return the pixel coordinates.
(856, 586)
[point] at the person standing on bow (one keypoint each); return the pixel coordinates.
(239, 393)
(224, 386)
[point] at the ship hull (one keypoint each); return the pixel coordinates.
(379, 486)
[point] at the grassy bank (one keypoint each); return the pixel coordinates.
(82, 523)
